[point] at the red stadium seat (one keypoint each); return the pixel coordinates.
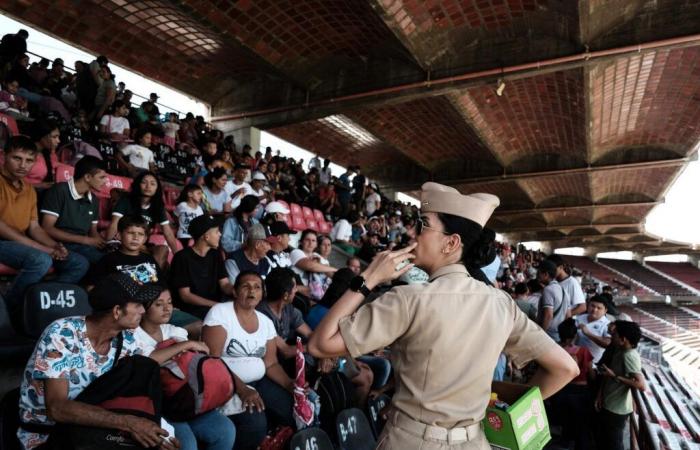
(324, 227)
(10, 123)
(311, 223)
(318, 215)
(295, 209)
(64, 172)
(308, 213)
(170, 195)
(7, 270)
(105, 217)
(298, 223)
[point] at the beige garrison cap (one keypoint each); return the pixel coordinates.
(444, 199)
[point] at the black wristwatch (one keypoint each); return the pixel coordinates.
(357, 284)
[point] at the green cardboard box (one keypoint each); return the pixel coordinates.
(523, 425)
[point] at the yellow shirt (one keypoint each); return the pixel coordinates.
(445, 337)
(17, 207)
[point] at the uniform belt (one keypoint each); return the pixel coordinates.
(451, 435)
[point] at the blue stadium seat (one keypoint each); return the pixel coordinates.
(311, 439)
(354, 432)
(46, 302)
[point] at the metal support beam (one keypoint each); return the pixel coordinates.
(439, 86)
(675, 162)
(589, 236)
(569, 227)
(514, 212)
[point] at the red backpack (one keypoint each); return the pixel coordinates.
(194, 383)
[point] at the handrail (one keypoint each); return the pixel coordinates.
(70, 69)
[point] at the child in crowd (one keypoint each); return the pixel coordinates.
(140, 156)
(170, 128)
(140, 266)
(572, 405)
(11, 103)
(212, 430)
(189, 206)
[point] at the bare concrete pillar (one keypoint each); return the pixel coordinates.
(248, 135)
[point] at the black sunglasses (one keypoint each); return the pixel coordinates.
(420, 225)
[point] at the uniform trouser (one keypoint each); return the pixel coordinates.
(403, 433)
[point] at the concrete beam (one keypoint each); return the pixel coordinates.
(515, 212)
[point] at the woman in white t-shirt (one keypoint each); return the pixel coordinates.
(245, 339)
(140, 156)
(212, 430)
(314, 270)
(115, 125)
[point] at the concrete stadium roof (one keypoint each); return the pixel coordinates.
(599, 113)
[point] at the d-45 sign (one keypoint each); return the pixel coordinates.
(64, 299)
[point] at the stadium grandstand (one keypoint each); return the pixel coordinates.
(128, 228)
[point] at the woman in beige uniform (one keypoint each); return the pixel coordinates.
(445, 335)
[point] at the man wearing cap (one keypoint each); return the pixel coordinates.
(153, 100)
(238, 188)
(571, 286)
(593, 326)
(554, 305)
(257, 185)
(446, 335)
(252, 255)
(275, 212)
(278, 255)
(74, 351)
(198, 277)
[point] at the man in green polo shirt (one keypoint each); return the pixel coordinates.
(614, 399)
(70, 211)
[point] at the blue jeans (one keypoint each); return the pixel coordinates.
(92, 254)
(499, 372)
(212, 429)
(252, 427)
(381, 368)
(32, 265)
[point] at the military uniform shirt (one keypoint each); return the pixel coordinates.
(445, 338)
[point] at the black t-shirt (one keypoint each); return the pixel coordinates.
(142, 267)
(200, 274)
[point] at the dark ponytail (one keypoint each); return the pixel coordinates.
(477, 241)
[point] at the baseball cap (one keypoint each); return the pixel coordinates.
(153, 94)
(278, 228)
(118, 289)
(276, 207)
(200, 225)
(259, 176)
(239, 166)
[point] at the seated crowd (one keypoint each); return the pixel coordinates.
(224, 279)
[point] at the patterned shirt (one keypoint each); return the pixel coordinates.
(63, 351)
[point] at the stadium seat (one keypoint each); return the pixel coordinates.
(318, 215)
(105, 213)
(324, 227)
(307, 212)
(9, 420)
(298, 223)
(10, 123)
(295, 210)
(48, 301)
(7, 270)
(12, 345)
(311, 439)
(354, 432)
(374, 406)
(170, 195)
(64, 172)
(311, 223)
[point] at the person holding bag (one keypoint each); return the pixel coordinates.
(76, 355)
(212, 429)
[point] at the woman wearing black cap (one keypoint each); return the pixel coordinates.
(445, 335)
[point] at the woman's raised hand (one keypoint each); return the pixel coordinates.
(386, 266)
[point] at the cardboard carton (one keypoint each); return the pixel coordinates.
(523, 425)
